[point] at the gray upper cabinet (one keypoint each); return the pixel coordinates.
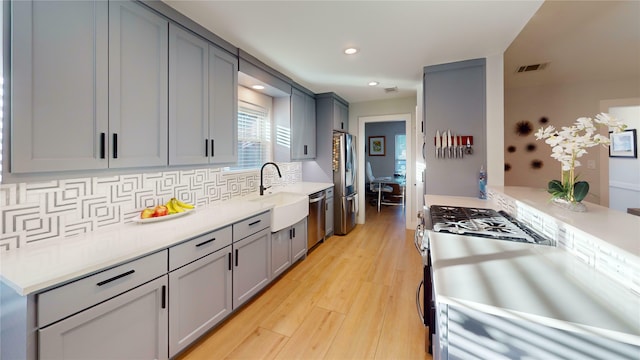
(295, 119)
(223, 106)
(340, 116)
(333, 111)
(188, 98)
(202, 101)
(303, 125)
(59, 79)
(138, 86)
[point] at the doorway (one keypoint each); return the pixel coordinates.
(363, 149)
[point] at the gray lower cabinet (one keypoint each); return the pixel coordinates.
(287, 246)
(202, 101)
(252, 265)
(299, 240)
(280, 251)
(118, 313)
(199, 298)
(138, 86)
(59, 80)
(329, 212)
(130, 326)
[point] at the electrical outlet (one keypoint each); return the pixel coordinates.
(591, 164)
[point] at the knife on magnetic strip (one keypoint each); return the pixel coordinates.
(438, 143)
(448, 135)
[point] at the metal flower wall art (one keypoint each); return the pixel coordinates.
(569, 144)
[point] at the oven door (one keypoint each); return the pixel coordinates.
(425, 304)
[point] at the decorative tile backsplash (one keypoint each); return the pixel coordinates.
(33, 212)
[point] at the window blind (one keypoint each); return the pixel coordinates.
(254, 136)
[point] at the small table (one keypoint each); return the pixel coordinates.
(389, 180)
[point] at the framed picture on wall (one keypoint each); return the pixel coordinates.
(623, 144)
(376, 146)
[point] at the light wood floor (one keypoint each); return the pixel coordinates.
(353, 297)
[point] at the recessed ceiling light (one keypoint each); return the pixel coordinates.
(258, 87)
(373, 83)
(350, 51)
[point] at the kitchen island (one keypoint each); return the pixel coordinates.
(503, 299)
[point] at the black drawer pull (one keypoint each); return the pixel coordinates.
(115, 145)
(290, 233)
(205, 242)
(305, 149)
(236, 257)
(102, 145)
(255, 222)
(115, 278)
(229, 261)
(294, 232)
(212, 147)
(206, 148)
(164, 296)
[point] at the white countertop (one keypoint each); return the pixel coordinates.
(543, 284)
(304, 187)
(617, 228)
(38, 267)
(538, 283)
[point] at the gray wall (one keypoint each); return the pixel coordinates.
(455, 99)
(383, 165)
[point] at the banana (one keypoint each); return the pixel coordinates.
(182, 204)
(176, 206)
(170, 207)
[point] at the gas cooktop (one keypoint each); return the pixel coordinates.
(486, 223)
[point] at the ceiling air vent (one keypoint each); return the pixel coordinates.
(391, 89)
(533, 67)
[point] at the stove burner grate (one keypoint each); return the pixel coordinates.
(481, 222)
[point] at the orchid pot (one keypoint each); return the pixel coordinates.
(569, 144)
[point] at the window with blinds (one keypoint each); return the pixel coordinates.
(254, 136)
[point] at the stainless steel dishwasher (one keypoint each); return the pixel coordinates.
(316, 223)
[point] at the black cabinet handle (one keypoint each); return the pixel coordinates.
(206, 148)
(305, 149)
(212, 148)
(115, 145)
(206, 242)
(290, 233)
(236, 257)
(103, 137)
(341, 125)
(164, 296)
(229, 261)
(294, 232)
(104, 282)
(255, 222)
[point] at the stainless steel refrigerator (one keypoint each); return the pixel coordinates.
(345, 166)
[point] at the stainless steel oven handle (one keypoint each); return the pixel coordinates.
(420, 312)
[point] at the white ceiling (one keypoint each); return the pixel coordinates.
(305, 40)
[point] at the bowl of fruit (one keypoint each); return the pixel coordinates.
(172, 209)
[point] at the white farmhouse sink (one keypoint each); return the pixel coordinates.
(289, 208)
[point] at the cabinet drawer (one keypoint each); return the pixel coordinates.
(196, 248)
(69, 299)
(251, 225)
